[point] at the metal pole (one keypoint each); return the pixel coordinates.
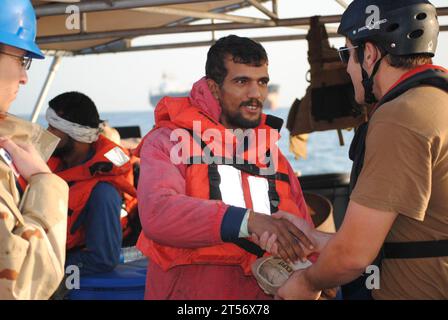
(203, 15)
(44, 92)
(261, 8)
(442, 11)
(84, 22)
(341, 138)
(275, 7)
(225, 9)
(90, 6)
(213, 32)
(342, 3)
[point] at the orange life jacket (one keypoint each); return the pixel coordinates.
(204, 181)
(131, 202)
(108, 164)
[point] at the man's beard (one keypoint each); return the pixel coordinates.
(237, 120)
(66, 149)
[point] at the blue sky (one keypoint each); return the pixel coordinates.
(122, 81)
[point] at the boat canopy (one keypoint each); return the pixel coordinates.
(81, 27)
(76, 27)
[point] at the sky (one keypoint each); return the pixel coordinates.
(123, 81)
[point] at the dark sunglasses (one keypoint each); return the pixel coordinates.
(344, 53)
(25, 62)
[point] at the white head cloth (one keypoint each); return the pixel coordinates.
(76, 131)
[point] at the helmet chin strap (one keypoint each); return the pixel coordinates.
(367, 82)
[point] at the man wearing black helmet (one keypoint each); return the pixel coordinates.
(398, 210)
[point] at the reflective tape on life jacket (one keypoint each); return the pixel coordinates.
(236, 183)
(108, 164)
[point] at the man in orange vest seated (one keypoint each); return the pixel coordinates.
(99, 174)
(196, 214)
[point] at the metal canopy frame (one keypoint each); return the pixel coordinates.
(183, 25)
(122, 41)
(182, 29)
(107, 5)
(124, 44)
(152, 6)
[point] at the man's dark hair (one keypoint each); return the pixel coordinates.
(409, 62)
(241, 50)
(76, 107)
(406, 62)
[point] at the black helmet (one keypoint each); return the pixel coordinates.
(399, 27)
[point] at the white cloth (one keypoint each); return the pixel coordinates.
(76, 131)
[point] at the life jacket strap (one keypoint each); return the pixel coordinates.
(416, 250)
(274, 198)
(243, 166)
(100, 167)
(249, 247)
(214, 180)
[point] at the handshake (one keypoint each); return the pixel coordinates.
(290, 240)
(285, 235)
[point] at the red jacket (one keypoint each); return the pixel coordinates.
(182, 226)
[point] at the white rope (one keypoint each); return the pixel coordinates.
(76, 131)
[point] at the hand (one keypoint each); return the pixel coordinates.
(26, 159)
(267, 242)
(289, 239)
(329, 294)
(297, 287)
(318, 238)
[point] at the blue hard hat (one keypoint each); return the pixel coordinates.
(18, 26)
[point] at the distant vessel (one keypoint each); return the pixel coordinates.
(155, 98)
(271, 102)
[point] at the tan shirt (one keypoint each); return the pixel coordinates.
(406, 171)
(33, 227)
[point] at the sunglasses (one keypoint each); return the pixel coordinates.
(344, 53)
(25, 62)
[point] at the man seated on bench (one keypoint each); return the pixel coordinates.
(99, 174)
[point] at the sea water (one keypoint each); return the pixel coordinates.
(325, 155)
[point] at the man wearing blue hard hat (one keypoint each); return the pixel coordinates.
(33, 201)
